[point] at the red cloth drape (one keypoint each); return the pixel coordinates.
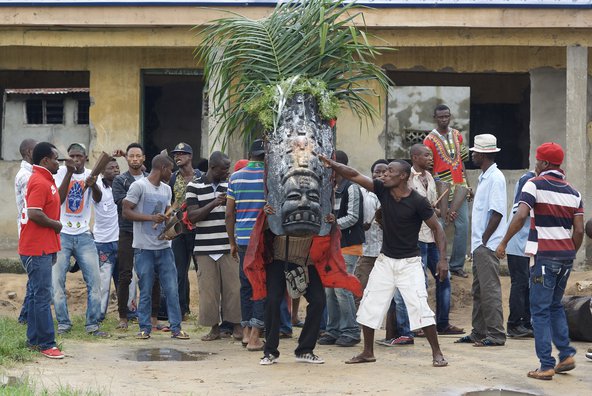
(325, 252)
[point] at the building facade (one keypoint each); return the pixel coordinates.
(517, 69)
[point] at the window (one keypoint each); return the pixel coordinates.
(45, 111)
(82, 117)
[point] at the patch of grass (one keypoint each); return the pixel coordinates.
(29, 388)
(13, 343)
(13, 340)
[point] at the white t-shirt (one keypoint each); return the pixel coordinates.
(20, 188)
(106, 228)
(76, 209)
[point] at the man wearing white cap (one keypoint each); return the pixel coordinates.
(489, 209)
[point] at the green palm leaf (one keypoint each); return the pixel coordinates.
(320, 44)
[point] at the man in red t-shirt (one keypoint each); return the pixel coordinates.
(38, 244)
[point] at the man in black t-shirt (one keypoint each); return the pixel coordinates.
(399, 264)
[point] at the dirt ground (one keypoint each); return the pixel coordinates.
(111, 366)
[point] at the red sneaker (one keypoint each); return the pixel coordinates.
(53, 353)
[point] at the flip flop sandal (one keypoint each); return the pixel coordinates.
(180, 335)
(452, 330)
(238, 336)
(465, 340)
(440, 363)
(163, 328)
(142, 335)
(360, 359)
(122, 326)
(486, 343)
(540, 375)
(257, 349)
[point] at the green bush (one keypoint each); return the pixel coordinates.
(11, 266)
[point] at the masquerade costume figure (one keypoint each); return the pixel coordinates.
(292, 105)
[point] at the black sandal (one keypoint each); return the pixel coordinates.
(468, 339)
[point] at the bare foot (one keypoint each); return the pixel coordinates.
(246, 335)
(211, 336)
(255, 343)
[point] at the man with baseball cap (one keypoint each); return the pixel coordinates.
(556, 234)
(184, 243)
(489, 209)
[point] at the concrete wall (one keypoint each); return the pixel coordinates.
(15, 128)
(547, 108)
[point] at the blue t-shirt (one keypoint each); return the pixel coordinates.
(247, 188)
(517, 244)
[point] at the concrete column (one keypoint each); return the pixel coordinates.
(575, 125)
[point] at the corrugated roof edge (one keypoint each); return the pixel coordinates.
(45, 91)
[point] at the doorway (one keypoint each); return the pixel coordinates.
(499, 104)
(172, 109)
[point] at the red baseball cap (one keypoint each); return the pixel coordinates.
(240, 164)
(550, 152)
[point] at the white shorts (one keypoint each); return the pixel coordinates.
(389, 274)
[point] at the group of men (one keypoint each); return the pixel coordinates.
(55, 204)
(391, 235)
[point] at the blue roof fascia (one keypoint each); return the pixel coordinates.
(583, 4)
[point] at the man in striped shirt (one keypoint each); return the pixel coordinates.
(217, 272)
(246, 198)
(556, 233)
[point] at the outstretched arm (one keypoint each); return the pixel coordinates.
(348, 172)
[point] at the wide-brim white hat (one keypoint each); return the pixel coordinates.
(485, 143)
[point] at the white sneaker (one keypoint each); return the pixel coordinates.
(309, 358)
(268, 360)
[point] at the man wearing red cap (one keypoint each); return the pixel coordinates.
(556, 209)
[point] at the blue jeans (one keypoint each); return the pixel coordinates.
(40, 332)
(285, 317)
(23, 315)
(82, 248)
(548, 279)
(107, 264)
(429, 258)
(161, 262)
(342, 308)
(252, 312)
(403, 326)
(461, 236)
